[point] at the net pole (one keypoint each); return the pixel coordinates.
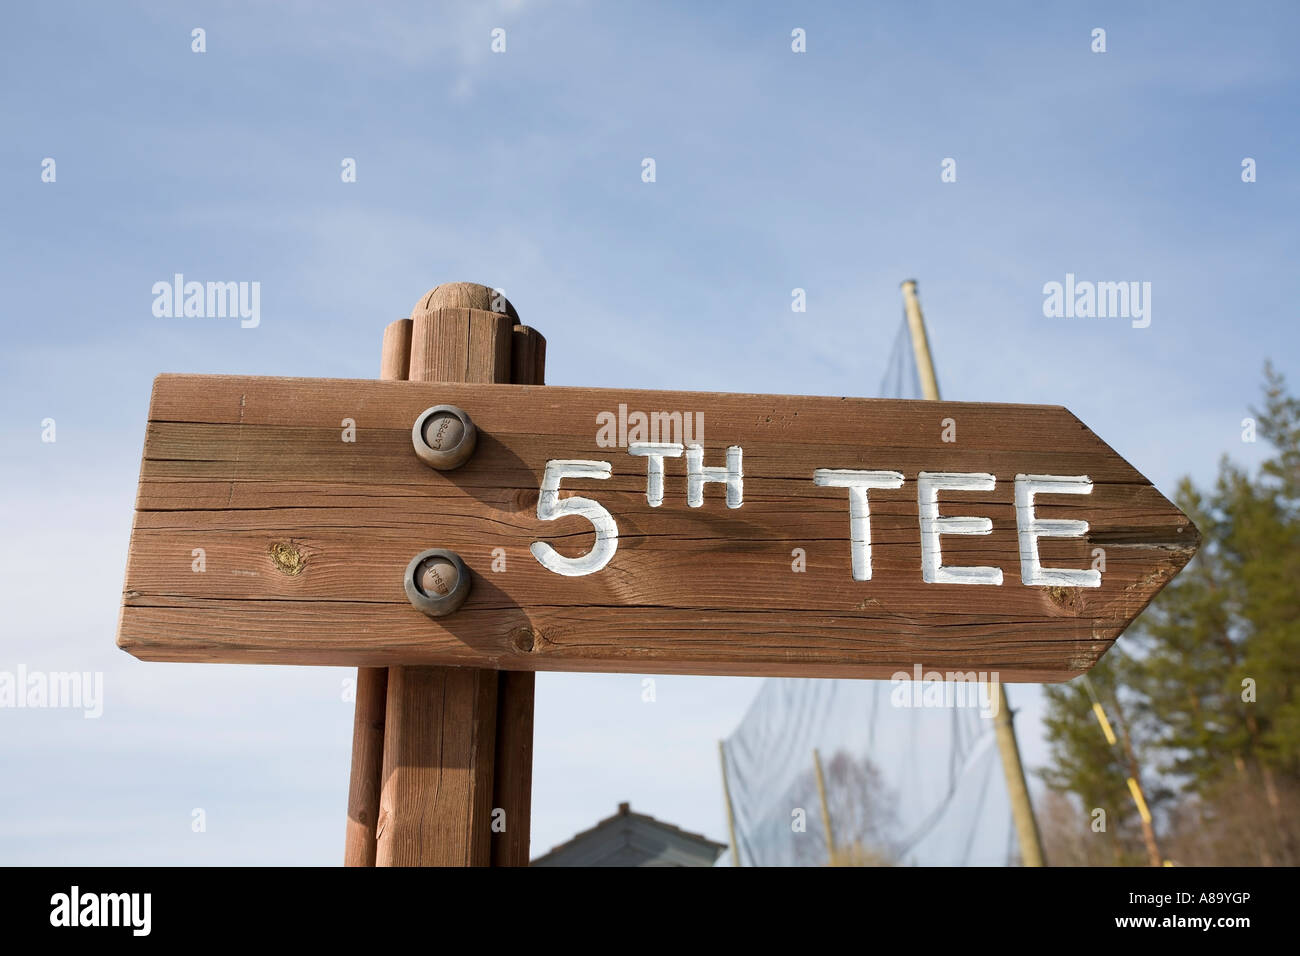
(1022, 810)
(826, 810)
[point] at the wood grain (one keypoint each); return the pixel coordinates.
(439, 768)
(372, 682)
(365, 779)
(512, 781)
(435, 807)
(237, 465)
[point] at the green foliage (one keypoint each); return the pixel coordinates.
(1226, 628)
(1083, 763)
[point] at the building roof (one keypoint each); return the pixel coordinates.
(633, 839)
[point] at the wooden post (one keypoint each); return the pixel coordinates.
(372, 682)
(920, 341)
(440, 732)
(826, 810)
(437, 750)
(512, 784)
(1022, 809)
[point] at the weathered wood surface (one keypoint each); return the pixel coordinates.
(252, 469)
(512, 780)
(440, 735)
(435, 808)
(365, 779)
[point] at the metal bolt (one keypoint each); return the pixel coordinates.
(444, 437)
(437, 582)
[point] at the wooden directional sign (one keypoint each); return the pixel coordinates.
(636, 531)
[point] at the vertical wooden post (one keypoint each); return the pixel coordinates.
(372, 682)
(435, 805)
(1022, 808)
(826, 810)
(444, 769)
(920, 341)
(512, 784)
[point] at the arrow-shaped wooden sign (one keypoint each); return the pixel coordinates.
(286, 521)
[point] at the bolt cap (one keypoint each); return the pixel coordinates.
(437, 582)
(444, 437)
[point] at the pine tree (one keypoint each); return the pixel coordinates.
(1187, 653)
(1210, 693)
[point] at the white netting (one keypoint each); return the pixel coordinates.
(904, 785)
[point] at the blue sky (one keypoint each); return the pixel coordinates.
(774, 170)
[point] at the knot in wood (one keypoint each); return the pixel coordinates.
(525, 639)
(287, 558)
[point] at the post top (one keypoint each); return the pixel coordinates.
(464, 295)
